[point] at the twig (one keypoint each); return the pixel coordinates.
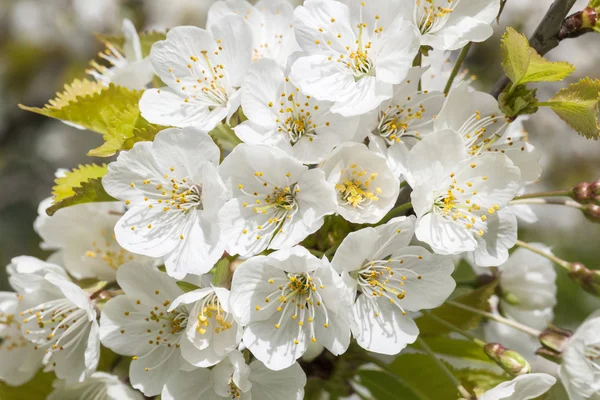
(545, 37)
(551, 257)
(457, 66)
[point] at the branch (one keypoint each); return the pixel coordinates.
(545, 37)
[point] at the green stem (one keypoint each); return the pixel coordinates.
(316, 253)
(565, 264)
(461, 389)
(457, 67)
(558, 202)
(455, 328)
(513, 324)
(396, 212)
(330, 251)
(554, 193)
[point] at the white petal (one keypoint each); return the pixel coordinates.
(276, 385)
(500, 236)
(523, 387)
(162, 362)
(192, 385)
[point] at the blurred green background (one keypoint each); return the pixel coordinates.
(46, 43)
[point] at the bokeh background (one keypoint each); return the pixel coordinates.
(46, 43)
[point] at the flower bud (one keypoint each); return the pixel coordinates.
(592, 212)
(588, 279)
(579, 23)
(555, 339)
(582, 193)
(509, 360)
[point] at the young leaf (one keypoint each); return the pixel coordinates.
(456, 316)
(522, 64)
(75, 89)
(222, 274)
(82, 185)
(384, 387)
(37, 388)
(463, 349)
(578, 105)
(65, 185)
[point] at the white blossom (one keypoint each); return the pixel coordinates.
(396, 125)
(271, 23)
(528, 284)
(524, 387)
(451, 24)
(128, 68)
(353, 54)
(233, 379)
(87, 250)
(476, 116)
(99, 386)
(387, 278)
(276, 200)
(210, 327)
(285, 300)
(580, 368)
(366, 187)
(143, 323)
(280, 115)
(459, 200)
(58, 317)
(20, 359)
(202, 70)
(174, 193)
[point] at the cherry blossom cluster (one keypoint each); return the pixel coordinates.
(335, 121)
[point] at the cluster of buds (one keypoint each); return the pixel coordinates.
(581, 22)
(554, 341)
(509, 360)
(588, 195)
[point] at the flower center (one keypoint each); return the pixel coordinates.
(476, 134)
(233, 390)
(114, 58)
(353, 188)
(394, 122)
(212, 312)
(458, 204)
(109, 251)
(359, 62)
(386, 279)
(430, 17)
(12, 338)
(297, 299)
(294, 116)
(592, 353)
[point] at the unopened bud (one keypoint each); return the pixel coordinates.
(579, 23)
(588, 279)
(592, 212)
(509, 360)
(555, 339)
(582, 193)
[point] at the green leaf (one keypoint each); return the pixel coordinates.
(519, 101)
(480, 380)
(423, 376)
(460, 318)
(65, 185)
(382, 386)
(186, 286)
(522, 64)
(82, 185)
(578, 105)
(37, 388)
(464, 349)
(224, 137)
(222, 274)
(147, 39)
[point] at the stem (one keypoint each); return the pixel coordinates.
(396, 212)
(316, 253)
(558, 202)
(565, 264)
(455, 328)
(457, 67)
(554, 193)
(330, 251)
(497, 318)
(461, 389)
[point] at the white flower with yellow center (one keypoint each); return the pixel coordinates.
(459, 200)
(451, 24)
(129, 68)
(99, 386)
(211, 328)
(366, 187)
(476, 116)
(524, 387)
(280, 115)
(286, 300)
(277, 201)
(271, 23)
(87, 250)
(580, 369)
(174, 192)
(388, 278)
(203, 71)
(233, 379)
(58, 317)
(20, 359)
(143, 323)
(398, 123)
(353, 55)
